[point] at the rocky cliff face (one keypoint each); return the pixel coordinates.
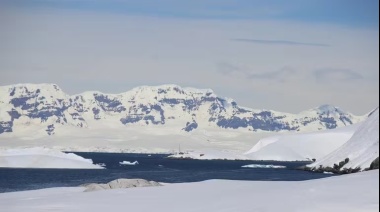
(188, 109)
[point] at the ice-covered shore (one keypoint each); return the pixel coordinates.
(40, 157)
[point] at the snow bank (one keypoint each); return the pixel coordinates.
(348, 193)
(301, 146)
(362, 149)
(43, 158)
(128, 163)
(258, 166)
(210, 155)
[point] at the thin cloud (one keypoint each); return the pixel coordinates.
(281, 75)
(334, 75)
(228, 69)
(280, 42)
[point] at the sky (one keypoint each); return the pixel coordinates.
(282, 55)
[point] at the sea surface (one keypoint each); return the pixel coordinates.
(151, 167)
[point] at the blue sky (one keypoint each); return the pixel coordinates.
(360, 13)
(284, 55)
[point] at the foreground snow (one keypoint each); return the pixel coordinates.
(362, 149)
(43, 158)
(301, 146)
(349, 193)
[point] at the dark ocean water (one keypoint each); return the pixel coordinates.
(151, 167)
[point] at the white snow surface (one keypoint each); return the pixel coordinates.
(348, 193)
(362, 149)
(43, 158)
(260, 166)
(301, 146)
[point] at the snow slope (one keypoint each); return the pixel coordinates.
(362, 149)
(43, 158)
(348, 193)
(302, 146)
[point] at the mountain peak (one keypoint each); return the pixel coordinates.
(326, 109)
(49, 86)
(172, 87)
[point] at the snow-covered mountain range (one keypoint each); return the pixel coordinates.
(46, 107)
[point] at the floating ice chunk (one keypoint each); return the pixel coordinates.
(258, 166)
(128, 163)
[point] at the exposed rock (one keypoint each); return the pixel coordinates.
(120, 183)
(375, 164)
